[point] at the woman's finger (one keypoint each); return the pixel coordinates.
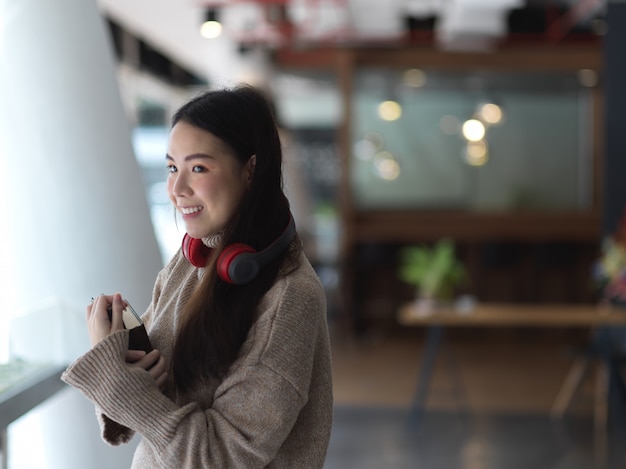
(158, 368)
(117, 321)
(155, 365)
(133, 355)
(161, 381)
(148, 360)
(88, 309)
(98, 324)
(159, 374)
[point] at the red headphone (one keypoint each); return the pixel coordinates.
(238, 263)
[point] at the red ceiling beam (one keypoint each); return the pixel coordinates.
(557, 29)
(223, 3)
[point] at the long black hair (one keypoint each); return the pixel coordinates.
(218, 316)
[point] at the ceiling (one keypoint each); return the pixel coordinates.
(172, 26)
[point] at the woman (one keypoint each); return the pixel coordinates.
(240, 373)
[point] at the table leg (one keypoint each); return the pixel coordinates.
(601, 403)
(616, 391)
(433, 339)
(571, 384)
(4, 449)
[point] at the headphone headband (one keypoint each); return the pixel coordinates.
(239, 263)
(268, 254)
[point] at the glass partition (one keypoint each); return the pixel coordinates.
(477, 141)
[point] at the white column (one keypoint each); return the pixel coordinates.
(77, 212)
(74, 220)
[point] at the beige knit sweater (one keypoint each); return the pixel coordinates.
(273, 409)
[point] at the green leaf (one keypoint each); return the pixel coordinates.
(433, 270)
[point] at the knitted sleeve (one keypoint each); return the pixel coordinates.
(156, 294)
(112, 432)
(254, 408)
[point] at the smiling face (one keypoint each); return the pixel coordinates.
(206, 182)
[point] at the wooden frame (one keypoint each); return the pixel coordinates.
(412, 226)
(408, 226)
(403, 225)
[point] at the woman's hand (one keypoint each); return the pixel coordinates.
(99, 327)
(152, 362)
(98, 323)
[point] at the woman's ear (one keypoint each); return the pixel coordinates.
(250, 167)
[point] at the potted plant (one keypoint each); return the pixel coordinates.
(434, 271)
(610, 269)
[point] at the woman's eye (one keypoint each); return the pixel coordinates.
(171, 169)
(198, 169)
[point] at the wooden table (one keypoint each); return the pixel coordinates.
(515, 315)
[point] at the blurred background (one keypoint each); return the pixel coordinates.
(456, 152)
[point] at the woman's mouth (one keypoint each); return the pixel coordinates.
(190, 210)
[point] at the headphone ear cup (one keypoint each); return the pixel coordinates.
(195, 251)
(237, 264)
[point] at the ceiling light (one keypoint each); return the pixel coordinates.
(415, 78)
(490, 113)
(473, 130)
(389, 110)
(364, 149)
(588, 77)
(211, 28)
(386, 165)
(476, 153)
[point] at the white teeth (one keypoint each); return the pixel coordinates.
(189, 210)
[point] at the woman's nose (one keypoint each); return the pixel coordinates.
(180, 186)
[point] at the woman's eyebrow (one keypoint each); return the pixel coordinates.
(194, 156)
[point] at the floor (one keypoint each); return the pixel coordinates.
(488, 408)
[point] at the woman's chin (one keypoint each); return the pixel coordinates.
(198, 233)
